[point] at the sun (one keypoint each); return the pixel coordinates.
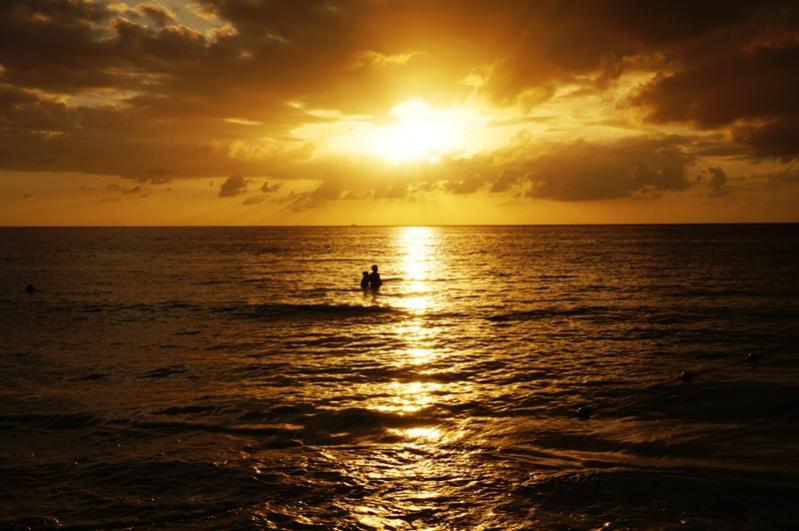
(417, 132)
(413, 131)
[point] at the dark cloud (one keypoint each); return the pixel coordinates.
(125, 189)
(53, 44)
(637, 167)
(581, 171)
(757, 84)
(717, 182)
(158, 13)
(744, 78)
(389, 190)
(327, 191)
(137, 190)
(786, 178)
(269, 188)
(233, 186)
(471, 182)
(506, 180)
(778, 138)
(308, 49)
(253, 200)
(96, 88)
(154, 180)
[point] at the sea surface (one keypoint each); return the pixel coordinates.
(238, 378)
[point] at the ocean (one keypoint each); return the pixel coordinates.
(530, 377)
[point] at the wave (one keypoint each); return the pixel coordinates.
(276, 311)
(545, 313)
(307, 311)
(55, 421)
(299, 427)
(650, 315)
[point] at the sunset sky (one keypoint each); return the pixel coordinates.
(218, 112)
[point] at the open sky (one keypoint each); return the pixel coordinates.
(224, 112)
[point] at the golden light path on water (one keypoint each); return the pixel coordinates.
(423, 458)
(418, 265)
(412, 393)
(416, 463)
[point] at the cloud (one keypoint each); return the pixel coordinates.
(233, 186)
(139, 92)
(522, 48)
(788, 177)
(138, 189)
(253, 200)
(583, 171)
(777, 138)
(636, 167)
(269, 188)
(760, 83)
(506, 180)
(327, 191)
(744, 79)
(718, 181)
(154, 180)
(157, 12)
(367, 58)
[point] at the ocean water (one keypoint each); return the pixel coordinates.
(238, 378)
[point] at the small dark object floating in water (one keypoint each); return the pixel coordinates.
(686, 376)
(753, 357)
(584, 413)
(29, 288)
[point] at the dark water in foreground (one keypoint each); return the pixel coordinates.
(237, 379)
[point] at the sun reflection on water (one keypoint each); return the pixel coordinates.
(408, 397)
(419, 339)
(418, 440)
(419, 434)
(418, 245)
(420, 356)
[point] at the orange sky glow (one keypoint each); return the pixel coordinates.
(247, 112)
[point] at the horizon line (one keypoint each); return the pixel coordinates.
(358, 225)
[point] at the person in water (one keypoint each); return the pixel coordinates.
(365, 280)
(374, 279)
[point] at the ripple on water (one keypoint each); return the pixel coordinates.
(238, 378)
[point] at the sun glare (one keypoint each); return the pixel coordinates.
(418, 132)
(412, 131)
(419, 244)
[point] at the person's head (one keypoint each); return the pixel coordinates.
(366, 273)
(374, 268)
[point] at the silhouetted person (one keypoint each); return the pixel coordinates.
(365, 280)
(374, 279)
(29, 288)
